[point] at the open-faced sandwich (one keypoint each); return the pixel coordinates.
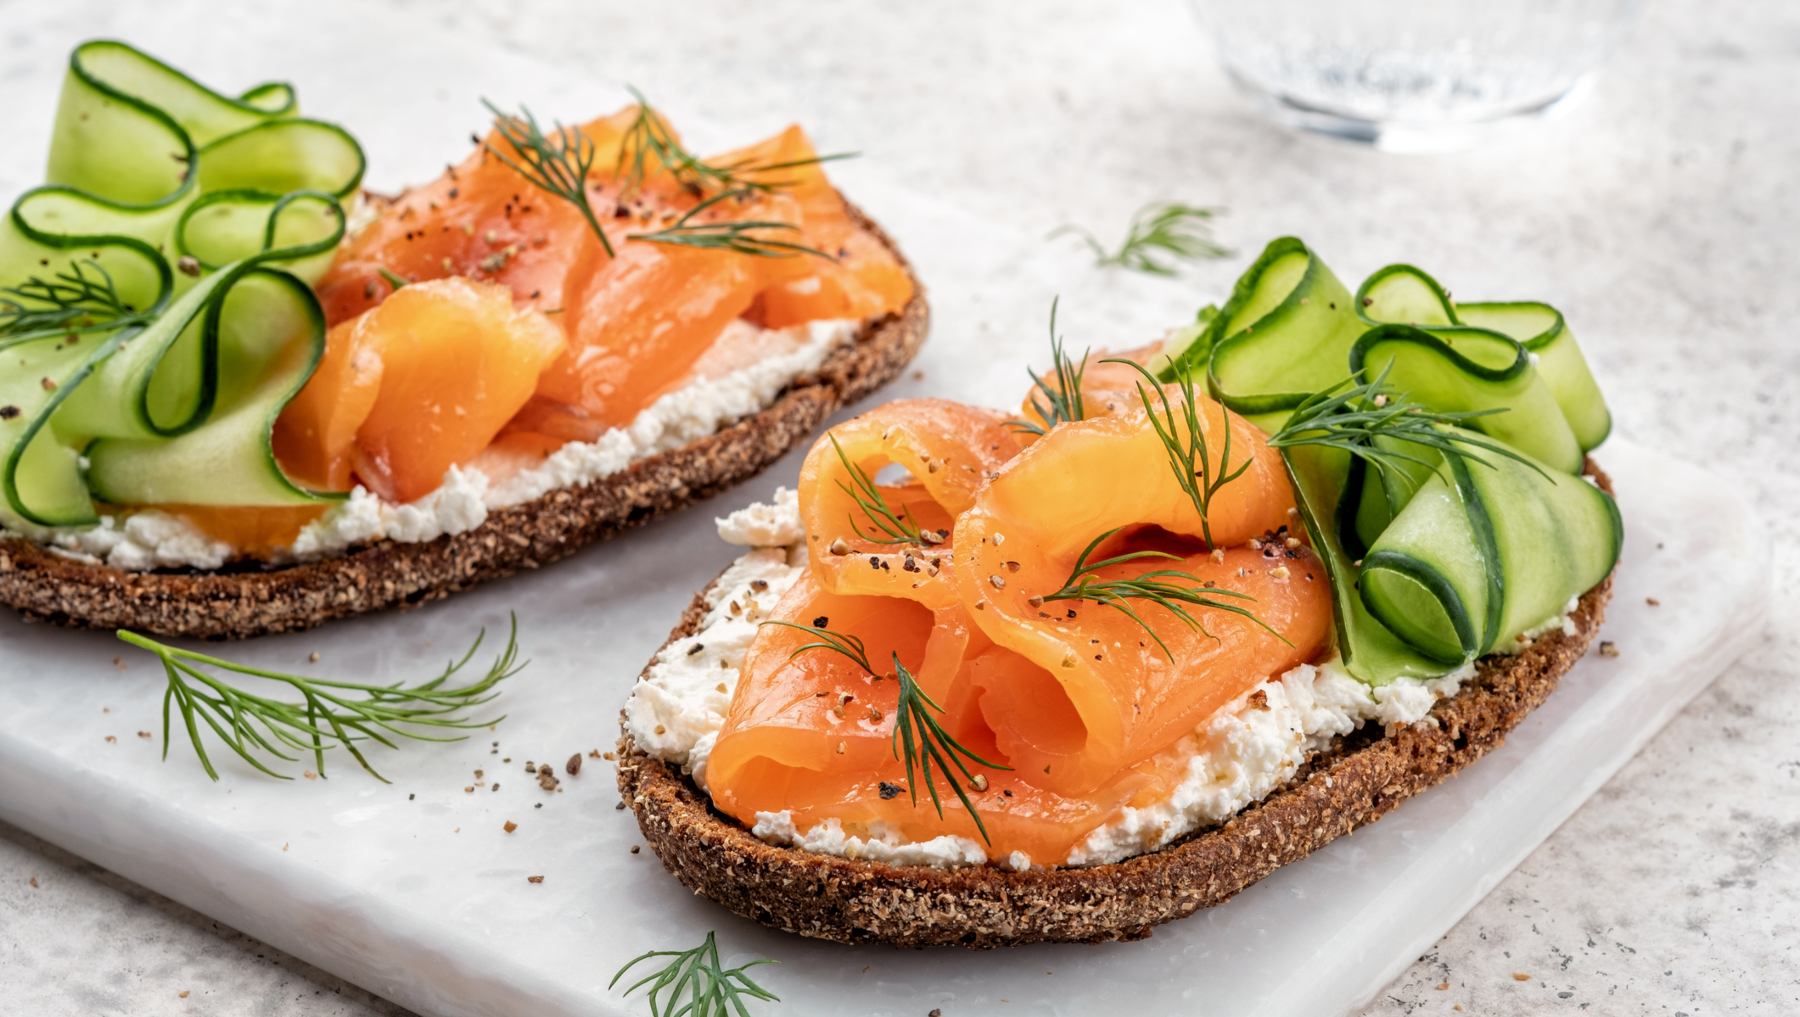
(984, 681)
(241, 396)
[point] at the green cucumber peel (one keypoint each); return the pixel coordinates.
(209, 215)
(1283, 335)
(1440, 545)
(1492, 549)
(1405, 294)
(1459, 369)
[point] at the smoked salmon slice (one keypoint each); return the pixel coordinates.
(639, 319)
(420, 383)
(1080, 706)
(858, 524)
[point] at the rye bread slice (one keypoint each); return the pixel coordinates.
(243, 601)
(1356, 782)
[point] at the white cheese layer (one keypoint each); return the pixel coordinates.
(1237, 757)
(739, 375)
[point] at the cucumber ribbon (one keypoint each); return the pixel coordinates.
(1434, 558)
(156, 309)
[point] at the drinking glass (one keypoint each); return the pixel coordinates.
(1411, 74)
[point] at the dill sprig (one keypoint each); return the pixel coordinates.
(846, 643)
(919, 742)
(1184, 439)
(745, 236)
(1351, 416)
(80, 298)
(1061, 402)
(649, 137)
(330, 713)
(1161, 234)
(695, 983)
(557, 165)
(891, 527)
(1171, 589)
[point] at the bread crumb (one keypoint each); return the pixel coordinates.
(183, 994)
(313, 657)
(32, 882)
(1652, 601)
(1521, 976)
(112, 740)
(634, 849)
(573, 766)
(1443, 986)
(119, 663)
(510, 826)
(309, 775)
(145, 735)
(546, 776)
(1608, 648)
(534, 879)
(284, 846)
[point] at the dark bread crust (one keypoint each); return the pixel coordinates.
(827, 897)
(230, 604)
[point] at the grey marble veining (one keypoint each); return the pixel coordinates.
(1658, 213)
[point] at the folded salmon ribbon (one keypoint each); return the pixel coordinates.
(945, 537)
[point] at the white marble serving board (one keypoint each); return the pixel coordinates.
(414, 891)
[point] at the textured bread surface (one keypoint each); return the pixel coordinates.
(1355, 783)
(239, 602)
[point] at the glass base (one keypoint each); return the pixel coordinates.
(1400, 135)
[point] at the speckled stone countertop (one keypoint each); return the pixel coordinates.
(1658, 213)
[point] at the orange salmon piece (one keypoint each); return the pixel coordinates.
(948, 451)
(451, 361)
(260, 530)
(316, 431)
(865, 280)
(1107, 388)
(481, 219)
(640, 320)
(812, 735)
(1091, 692)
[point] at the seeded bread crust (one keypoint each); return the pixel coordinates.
(241, 602)
(828, 897)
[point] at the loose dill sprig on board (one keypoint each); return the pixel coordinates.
(696, 983)
(1351, 416)
(556, 164)
(1061, 402)
(1184, 439)
(1171, 589)
(744, 236)
(330, 714)
(919, 741)
(1161, 235)
(79, 298)
(891, 526)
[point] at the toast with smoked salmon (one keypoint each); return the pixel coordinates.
(267, 399)
(1064, 675)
